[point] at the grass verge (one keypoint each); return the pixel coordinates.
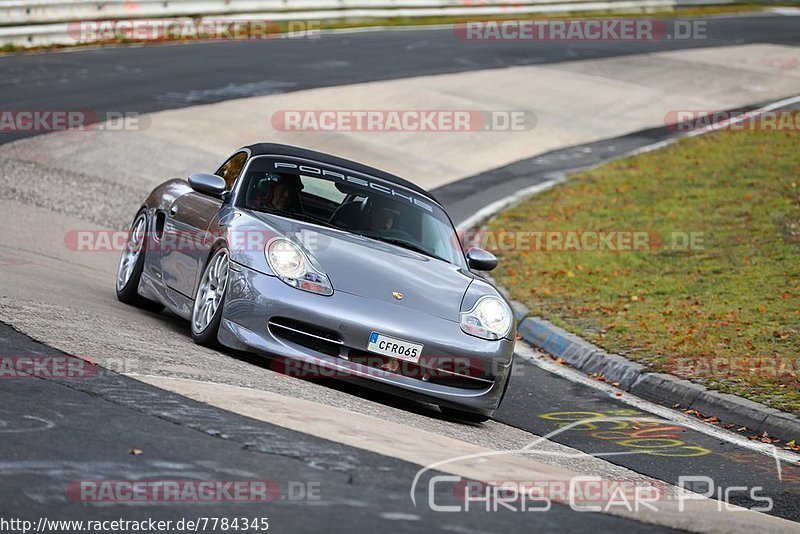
(725, 312)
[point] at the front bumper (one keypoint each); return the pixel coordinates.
(261, 314)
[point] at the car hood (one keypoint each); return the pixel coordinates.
(376, 270)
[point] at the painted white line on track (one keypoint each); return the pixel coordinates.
(745, 116)
(492, 209)
(542, 361)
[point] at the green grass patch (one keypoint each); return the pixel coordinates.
(726, 314)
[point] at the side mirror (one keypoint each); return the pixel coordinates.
(208, 184)
(481, 260)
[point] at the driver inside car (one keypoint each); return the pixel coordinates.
(381, 216)
(382, 219)
(279, 192)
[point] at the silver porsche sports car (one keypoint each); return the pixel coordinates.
(330, 267)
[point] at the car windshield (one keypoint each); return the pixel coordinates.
(357, 204)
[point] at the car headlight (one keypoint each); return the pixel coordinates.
(295, 268)
(489, 318)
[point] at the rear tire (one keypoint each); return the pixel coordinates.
(131, 265)
(210, 298)
(470, 417)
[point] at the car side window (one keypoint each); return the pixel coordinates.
(231, 169)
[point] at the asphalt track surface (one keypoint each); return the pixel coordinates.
(147, 79)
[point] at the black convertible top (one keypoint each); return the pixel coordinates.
(288, 150)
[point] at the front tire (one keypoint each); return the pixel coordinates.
(209, 300)
(131, 265)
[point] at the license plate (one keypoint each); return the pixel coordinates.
(396, 348)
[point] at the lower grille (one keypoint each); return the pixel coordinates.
(306, 335)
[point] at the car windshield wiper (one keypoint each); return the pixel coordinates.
(404, 244)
